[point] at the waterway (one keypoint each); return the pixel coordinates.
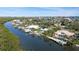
(30, 42)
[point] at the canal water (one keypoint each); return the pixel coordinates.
(33, 42)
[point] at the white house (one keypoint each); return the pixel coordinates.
(33, 26)
(27, 30)
(17, 21)
(45, 29)
(63, 33)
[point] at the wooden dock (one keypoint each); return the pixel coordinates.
(61, 42)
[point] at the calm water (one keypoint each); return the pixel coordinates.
(35, 43)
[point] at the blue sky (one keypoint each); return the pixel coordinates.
(39, 11)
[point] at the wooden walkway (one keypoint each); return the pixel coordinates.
(58, 40)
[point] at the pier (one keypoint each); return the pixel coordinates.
(61, 42)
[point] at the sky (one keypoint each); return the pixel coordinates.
(39, 11)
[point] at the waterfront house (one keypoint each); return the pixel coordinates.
(17, 21)
(33, 27)
(27, 30)
(63, 34)
(44, 29)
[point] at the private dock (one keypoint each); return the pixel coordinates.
(61, 42)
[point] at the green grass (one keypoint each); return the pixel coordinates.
(51, 31)
(75, 41)
(8, 41)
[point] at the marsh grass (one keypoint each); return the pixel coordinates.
(8, 41)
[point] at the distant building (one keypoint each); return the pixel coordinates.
(69, 19)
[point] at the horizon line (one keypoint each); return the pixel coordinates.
(39, 16)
